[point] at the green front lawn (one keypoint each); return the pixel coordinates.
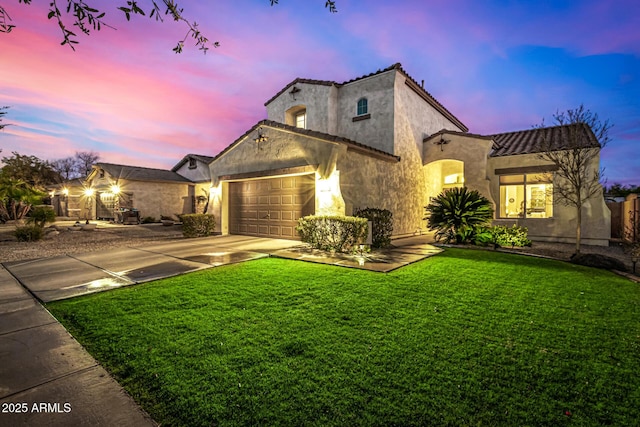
(462, 338)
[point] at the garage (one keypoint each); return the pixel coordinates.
(270, 207)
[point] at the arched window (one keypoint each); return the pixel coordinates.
(363, 106)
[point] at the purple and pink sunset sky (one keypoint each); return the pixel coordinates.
(496, 65)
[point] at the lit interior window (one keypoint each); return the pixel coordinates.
(525, 196)
(301, 120)
(453, 179)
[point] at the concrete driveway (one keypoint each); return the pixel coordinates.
(62, 277)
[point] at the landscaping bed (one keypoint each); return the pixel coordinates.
(463, 338)
(104, 236)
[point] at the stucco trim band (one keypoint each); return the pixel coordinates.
(526, 169)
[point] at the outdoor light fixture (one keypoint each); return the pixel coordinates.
(293, 92)
(65, 191)
(441, 143)
(115, 189)
(88, 192)
(261, 137)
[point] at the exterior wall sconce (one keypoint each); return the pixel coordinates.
(293, 92)
(89, 192)
(441, 143)
(115, 189)
(261, 137)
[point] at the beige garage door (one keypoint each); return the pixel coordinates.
(270, 207)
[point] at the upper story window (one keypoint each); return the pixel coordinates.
(301, 119)
(526, 196)
(363, 106)
(192, 163)
(296, 116)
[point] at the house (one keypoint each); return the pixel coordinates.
(110, 188)
(382, 141)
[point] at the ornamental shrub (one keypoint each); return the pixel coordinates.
(40, 215)
(457, 213)
(381, 225)
(198, 225)
(148, 220)
(333, 233)
(514, 236)
(28, 233)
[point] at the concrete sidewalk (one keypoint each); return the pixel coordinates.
(47, 378)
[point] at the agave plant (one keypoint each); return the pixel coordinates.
(456, 214)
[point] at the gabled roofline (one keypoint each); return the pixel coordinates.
(411, 82)
(299, 80)
(455, 132)
(204, 159)
(351, 145)
(102, 165)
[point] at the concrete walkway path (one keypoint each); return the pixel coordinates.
(67, 276)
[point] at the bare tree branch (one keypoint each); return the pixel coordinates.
(573, 146)
(87, 18)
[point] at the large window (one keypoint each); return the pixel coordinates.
(526, 196)
(363, 106)
(301, 119)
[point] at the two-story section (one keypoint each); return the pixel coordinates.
(329, 148)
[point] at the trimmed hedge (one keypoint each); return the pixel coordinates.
(381, 225)
(198, 225)
(333, 233)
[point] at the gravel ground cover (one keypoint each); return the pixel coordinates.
(105, 236)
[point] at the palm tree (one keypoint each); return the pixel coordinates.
(457, 213)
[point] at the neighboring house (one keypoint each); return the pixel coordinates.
(381, 141)
(110, 188)
(195, 168)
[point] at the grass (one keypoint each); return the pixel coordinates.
(463, 338)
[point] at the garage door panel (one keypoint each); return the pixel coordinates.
(270, 207)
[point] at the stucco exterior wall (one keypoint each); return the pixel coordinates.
(473, 152)
(280, 151)
(368, 182)
(200, 173)
(377, 130)
(596, 217)
(316, 98)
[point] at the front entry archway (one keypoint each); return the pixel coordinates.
(443, 174)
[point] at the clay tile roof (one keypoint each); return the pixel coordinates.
(138, 173)
(357, 146)
(533, 140)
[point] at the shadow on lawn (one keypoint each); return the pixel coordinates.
(490, 256)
